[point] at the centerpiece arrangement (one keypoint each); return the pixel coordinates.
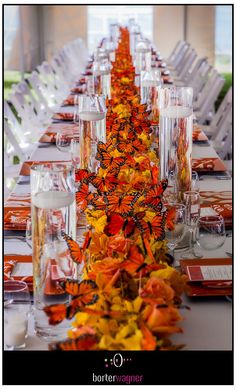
(129, 296)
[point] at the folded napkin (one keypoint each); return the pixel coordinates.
(70, 99)
(16, 219)
(8, 269)
(203, 164)
(63, 116)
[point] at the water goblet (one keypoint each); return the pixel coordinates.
(175, 235)
(210, 232)
(192, 202)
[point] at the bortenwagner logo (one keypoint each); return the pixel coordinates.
(117, 361)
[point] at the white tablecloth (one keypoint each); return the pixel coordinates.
(208, 325)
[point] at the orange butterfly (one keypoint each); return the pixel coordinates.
(82, 174)
(87, 296)
(153, 196)
(170, 218)
(83, 342)
(83, 196)
(104, 184)
(157, 227)
(134, 260)
(116, 223)
(131, 147)
(83, 290)
(75, 251)
(154, 174)
(107, 161)
(104, 146)
(98, 202)
(122, 203)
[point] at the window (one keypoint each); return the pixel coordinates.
(223, 38)
(100, 17)
(11, 26)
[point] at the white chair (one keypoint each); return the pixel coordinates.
(221, 118)
(42, 92)
(190, 58)
(204, 106)
(181, 61)
(176, 55)
(32, 98)
(17, 147)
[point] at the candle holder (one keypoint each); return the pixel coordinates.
(16, 312)
(175, 136)
(53, 212)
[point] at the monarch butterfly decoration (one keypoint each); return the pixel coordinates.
(104, 184)
(83, 196)
(122, 203)
(77, 253)
(83, 175)
(117, 222)
(84, 293)
(83, 342)
(153, 196)
(107, 161)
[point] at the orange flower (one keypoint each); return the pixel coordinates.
(155, 290)
(162, 320)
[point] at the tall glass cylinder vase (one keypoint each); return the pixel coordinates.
(175, 136)
(150, 88)
(92, 128)
(143, 56)
(102, 77)
(53, 211)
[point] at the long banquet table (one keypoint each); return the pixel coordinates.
(208, 323)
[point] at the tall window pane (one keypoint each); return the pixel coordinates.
(99, 18)
(223, 38)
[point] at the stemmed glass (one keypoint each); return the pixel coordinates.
(63, 141)
(16, 312)
(192, 202)
(195, 181)
(210, 232)
(28, 233)
(175, 235)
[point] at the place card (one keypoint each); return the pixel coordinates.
(209, 273)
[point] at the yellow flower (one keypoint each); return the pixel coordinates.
(177, 281)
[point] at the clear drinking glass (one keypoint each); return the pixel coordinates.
(28, 233)
(210, 232)
(175, 135)
(195, 182)
(16, 313)
(53, 211)
(92, 128)
(174, 236)
(192, 203)
(64, 138)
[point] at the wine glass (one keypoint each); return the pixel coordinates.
(63, 141)
(16, 312)
(211, 232)
(28, 233)
(192, 202)
(195, 181)
(176, 234)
